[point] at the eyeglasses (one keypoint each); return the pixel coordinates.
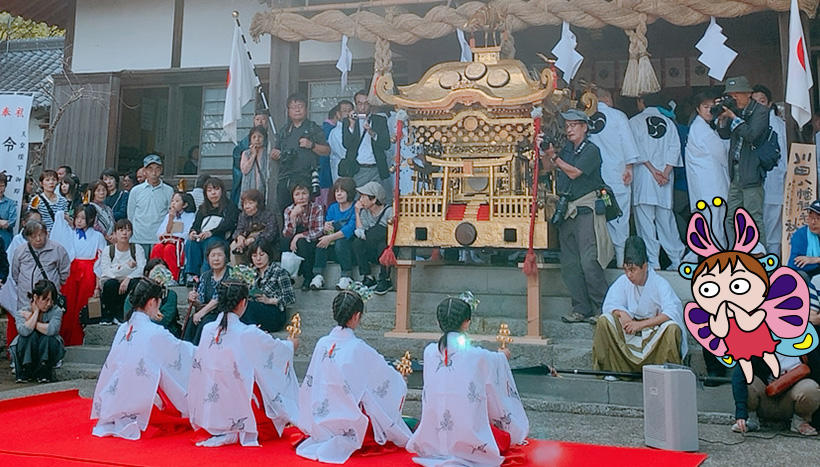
(569, 125)
(296, 106)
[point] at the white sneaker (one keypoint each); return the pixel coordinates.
(317, 282)
(344, 283)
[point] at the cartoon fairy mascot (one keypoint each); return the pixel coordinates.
(744, 306)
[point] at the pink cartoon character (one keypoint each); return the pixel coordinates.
(744, 306)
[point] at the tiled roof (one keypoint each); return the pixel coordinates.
(27, 64)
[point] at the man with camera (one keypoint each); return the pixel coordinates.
(365, 137)
(585, 245)
(298, 149)
(744, 122)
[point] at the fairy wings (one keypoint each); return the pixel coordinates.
(787, 299)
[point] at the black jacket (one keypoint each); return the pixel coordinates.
(755, 122)
(352, 139)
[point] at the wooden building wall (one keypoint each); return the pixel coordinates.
(85, 137)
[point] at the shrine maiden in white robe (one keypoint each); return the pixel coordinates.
(654, 297)
(707, 170)
(658, 140)
(347, 379)
(462, 396)
(773, 188)
(220, 390)
(611, 133)
(144, 357)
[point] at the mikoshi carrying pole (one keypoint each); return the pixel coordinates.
(256, 76)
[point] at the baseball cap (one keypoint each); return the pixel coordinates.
(373, 189)
(575, 115)
(738, 84)
(815, 206)
(151, 159)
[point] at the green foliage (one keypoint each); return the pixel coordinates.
(16, 27)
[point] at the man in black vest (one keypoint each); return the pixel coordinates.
(365, 137)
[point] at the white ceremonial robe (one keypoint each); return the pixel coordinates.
(8, 292)
(76, 247)
(337, 150)
(618, 149)
(774, 187)
(220, 390)
(144, 357)
(658, 140)
(707, 171)
(656, 296)
(347, 379)
(461, 397)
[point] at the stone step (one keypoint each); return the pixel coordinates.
(573, 390)
(485, 280)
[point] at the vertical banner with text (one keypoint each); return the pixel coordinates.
(14, 116)
(800, 191)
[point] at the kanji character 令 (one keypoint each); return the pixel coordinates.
(9, 144)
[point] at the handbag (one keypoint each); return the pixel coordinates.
(611, 208)
(60, 300)
(788, 379)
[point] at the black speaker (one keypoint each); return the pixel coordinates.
(421, 234)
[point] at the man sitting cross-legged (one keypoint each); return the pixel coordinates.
(642, 318)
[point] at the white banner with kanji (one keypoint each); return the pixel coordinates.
(14, 115)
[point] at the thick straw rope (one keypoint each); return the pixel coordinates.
(408, 28)
(640, 77)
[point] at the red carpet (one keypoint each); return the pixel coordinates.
(54, 430)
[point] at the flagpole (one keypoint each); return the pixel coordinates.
(259, 89)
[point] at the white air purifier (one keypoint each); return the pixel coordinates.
(670, 408)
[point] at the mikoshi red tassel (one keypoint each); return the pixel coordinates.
(530, 265)
(388, 258)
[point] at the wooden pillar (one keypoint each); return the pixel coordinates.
(404, 270)
(534, 330)
(284, 80)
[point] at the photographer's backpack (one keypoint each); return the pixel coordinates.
(767, 151)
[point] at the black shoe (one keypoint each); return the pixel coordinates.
(306, 283)
(368, 281)
(383, 286)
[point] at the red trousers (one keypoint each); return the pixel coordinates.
(167, 420)
(78, 288)
(172, 253)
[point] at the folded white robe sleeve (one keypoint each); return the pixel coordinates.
(144, 357)
(344, 376)
(464, 393)
(226, 366)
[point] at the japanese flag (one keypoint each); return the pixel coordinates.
(799, 79)
(240, 85)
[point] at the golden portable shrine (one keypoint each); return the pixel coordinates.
(473, 125)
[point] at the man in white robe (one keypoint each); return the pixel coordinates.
(348, 385)
(144, 359)
(774, 185)
(226, 367)
(707, 164)
(466, 390)
(642, 318)
(657, 138)
(609, 130)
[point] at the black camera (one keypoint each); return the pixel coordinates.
(723, 102)
(560, 210)
(546, 142)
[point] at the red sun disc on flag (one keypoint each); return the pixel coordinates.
(801, 54)
(228, 81)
